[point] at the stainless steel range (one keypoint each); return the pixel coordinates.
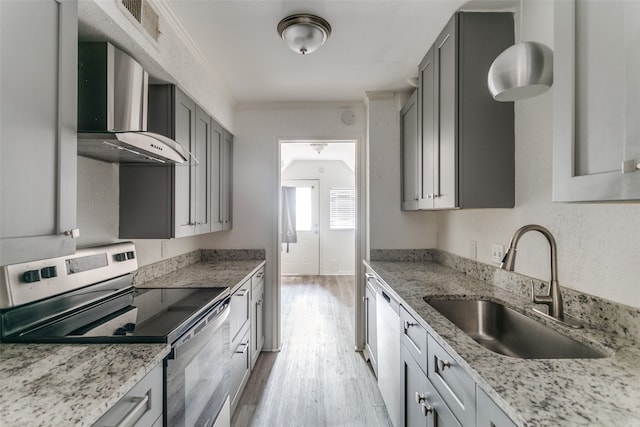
(89, 298)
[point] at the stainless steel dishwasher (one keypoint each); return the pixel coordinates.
(388, 334)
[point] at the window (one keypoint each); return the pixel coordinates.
(303, 208)
(342, 210)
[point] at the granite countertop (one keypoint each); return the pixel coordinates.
(69, 384)
(533, 392)
(207, 274)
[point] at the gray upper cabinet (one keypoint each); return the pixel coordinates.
(202, 193)
(226, 181)
(161, 202)
(410, 153)
(466, 138)
(38, 114)
(596, 137)
(184, 176)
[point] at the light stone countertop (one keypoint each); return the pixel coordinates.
(533, 392)
(75, 384)
(207, 274)
(69, 384)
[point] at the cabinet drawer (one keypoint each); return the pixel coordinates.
(414, 337)
(240, 368)
(239, 311)
(454, 385)
(489, 415)
(141, 406)
(257, 278)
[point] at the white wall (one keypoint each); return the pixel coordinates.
(389, 227)
(98, 216)
(337, 247)
(598, 251)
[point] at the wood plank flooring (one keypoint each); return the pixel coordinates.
(318, 379)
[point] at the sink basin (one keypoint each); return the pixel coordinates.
(506, 331)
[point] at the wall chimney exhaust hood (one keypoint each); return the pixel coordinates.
(112, 110)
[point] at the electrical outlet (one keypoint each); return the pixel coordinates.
(163, 249)
(473, 249)
(497, 253)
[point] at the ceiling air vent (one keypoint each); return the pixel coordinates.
(145, 15)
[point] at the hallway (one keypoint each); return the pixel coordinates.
(317, 379)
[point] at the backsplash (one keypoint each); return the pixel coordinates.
(595, 312)
(149, 272)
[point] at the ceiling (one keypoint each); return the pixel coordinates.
(375, 45)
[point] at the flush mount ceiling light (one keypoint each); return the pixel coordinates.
(317, 147)
(522, 71)
(304, 33)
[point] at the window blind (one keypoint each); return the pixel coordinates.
(342, 208)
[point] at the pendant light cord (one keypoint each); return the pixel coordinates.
(521, 15)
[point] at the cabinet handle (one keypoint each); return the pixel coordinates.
(365, 299)
(241, 293)
(426, 409)
(244, 349)
(420, 398)
(443, 364)
(259, 302)
(141, 407)
(408, 324)
(429, 196)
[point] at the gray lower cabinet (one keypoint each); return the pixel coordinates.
(239, 311)
(488, 414)
(162, 202)
(466, 139)
(140, 407)
(38, 116)
(257, 315)
(423, 406)
(240, 366)
(370, 330)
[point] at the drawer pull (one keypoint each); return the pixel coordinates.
(420, 398)
(259, 302)
(443, 364)
(408, 324)
(426, 409)
(244, 346)
(241, 293)
(142, 405)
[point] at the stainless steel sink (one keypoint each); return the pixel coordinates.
(506, 331)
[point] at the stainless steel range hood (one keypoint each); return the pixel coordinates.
(112, 110)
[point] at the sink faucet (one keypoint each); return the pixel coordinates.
(554, 298)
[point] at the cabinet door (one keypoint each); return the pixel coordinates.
(410, 154)
(202, 173)
(226, 184)
(240, 311)
(427, 132)
(371, 341)
(596, 137)
(184, 175)
(38, 81)
(240, 369)
(489, 415)
(215, 180)
(446, 76)
(257, 322)
(422, 405)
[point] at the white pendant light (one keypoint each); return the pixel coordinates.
(304, 33)
(522, 71)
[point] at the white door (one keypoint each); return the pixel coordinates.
(303, 256)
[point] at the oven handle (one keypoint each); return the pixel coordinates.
(203, 325)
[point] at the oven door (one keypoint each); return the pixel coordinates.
(197, 372)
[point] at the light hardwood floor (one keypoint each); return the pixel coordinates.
(318, 379)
